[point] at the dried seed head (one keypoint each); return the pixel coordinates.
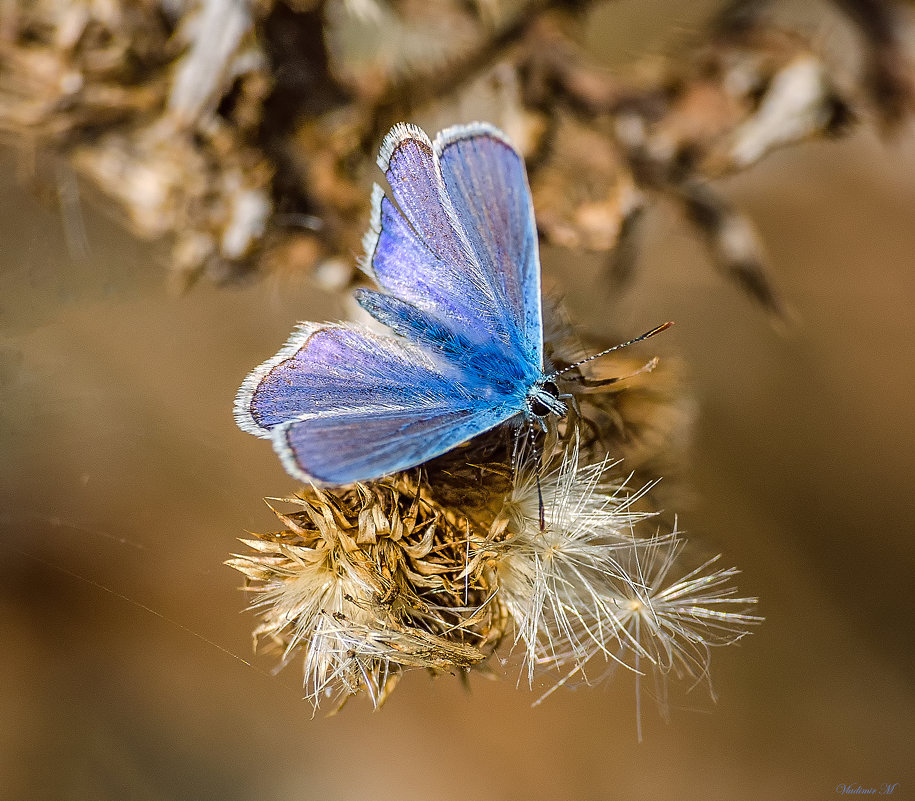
(672, 619)
(367, 581)
(548, 577)
(373, 579)
(666, 622)
(589, 589)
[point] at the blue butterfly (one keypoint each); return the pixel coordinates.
(457, 263)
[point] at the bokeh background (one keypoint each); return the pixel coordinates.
(126, 669)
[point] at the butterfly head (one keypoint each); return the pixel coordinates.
(544, 399)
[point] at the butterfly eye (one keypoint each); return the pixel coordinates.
(545, 399)
(539, 408)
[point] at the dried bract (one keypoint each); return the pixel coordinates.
(366, 582)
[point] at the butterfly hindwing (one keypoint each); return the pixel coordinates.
(349, 447)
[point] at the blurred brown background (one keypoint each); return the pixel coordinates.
(124, 482)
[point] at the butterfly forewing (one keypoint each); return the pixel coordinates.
(465, 247)
(415, 250)
(486, 182)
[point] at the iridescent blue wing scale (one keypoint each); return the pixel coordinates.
(350, 447)
(470, 262)
(486, 182)
(342, 404)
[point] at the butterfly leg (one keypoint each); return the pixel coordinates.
(536, 455)
(572, 402)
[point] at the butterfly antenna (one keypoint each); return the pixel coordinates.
(646, 335)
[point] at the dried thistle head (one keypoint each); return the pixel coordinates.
(584, 189)
(638, 409)
(159, 105)
(368, 581)
(209, 186)
(670, 616)
(68, 65)
(374, 44)
(301, 92)
(595, 585)
(548, 572)
(434, 568)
